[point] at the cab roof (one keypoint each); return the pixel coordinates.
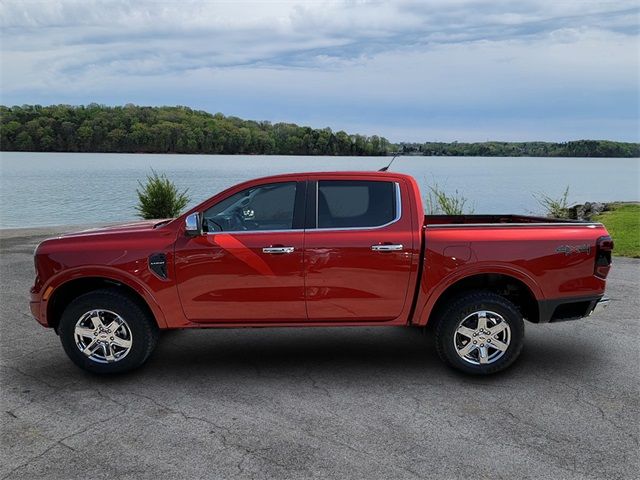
(341, 173)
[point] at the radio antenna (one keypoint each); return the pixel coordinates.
(384, 169)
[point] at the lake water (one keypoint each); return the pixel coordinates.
(47, 189)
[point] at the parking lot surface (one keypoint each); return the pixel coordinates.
(321, 402)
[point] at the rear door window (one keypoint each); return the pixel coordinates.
(355, 203)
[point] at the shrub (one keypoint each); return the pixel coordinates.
(438, 202)
(555, 207)
(160, 198)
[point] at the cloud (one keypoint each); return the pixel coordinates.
(380, 66)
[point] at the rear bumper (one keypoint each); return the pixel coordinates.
(602, 304)
(572, 308)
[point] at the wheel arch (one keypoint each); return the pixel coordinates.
(71, 289)
(509, 286)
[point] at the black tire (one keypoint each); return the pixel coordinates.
(144, 331)
(451, 317)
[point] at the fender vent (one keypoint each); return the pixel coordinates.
(158, 265)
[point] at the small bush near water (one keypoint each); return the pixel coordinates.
(555, 207)
(439, 202)
(160, 198)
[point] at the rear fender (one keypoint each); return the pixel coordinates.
(472, 270)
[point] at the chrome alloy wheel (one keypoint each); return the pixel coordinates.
(103, 336)
(482, 337)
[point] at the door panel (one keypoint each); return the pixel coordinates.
(347, 279)
(227, 277)
(247, 266)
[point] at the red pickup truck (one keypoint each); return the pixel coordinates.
(319, 249)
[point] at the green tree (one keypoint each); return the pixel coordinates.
(24, 142)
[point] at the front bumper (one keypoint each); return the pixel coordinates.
(37, 305)
(36, 311)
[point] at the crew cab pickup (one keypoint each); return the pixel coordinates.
(319, 249)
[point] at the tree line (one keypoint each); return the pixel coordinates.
(136, 129)
(577, 148)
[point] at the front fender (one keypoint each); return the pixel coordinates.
(103, 272)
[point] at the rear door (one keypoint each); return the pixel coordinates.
(358, 249)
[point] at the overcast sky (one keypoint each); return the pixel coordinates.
(409, 70)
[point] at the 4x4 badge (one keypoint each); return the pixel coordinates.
(569, 249)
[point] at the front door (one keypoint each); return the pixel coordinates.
(248, 264)
(359, 255)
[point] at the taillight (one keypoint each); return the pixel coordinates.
(604, 246)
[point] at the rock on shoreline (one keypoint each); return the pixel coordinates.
(586, 211)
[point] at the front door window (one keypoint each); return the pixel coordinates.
(259, 208)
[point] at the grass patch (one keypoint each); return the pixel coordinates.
(623, 224)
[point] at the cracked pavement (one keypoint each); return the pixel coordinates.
(320, 402)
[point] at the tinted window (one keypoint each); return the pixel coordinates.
(265, 207)
(355, 203)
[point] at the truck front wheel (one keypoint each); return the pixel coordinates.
(480, 333)
(106, 331)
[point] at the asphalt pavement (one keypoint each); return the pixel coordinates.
(331, 403)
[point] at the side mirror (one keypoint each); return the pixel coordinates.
(192, 225)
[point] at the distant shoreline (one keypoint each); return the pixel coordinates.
(130, 128)
(389, 155)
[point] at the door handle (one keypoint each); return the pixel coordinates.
(387, 248)
(278, 250)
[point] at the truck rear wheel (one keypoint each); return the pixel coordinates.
(480, 333)
(105, 331)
